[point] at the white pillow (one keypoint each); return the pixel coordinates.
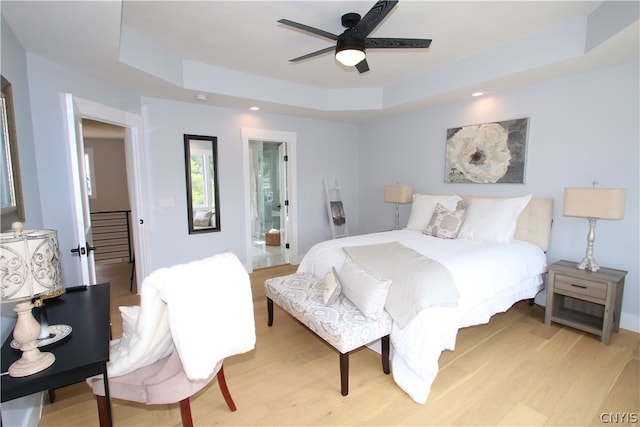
(492, 219)
(363, 290)
(332, 287)
(202, 218)
(423, 207)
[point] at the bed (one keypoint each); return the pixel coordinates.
(495, 258)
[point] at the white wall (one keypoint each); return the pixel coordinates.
(582, 128)
(48, 82)
(14, 69)
(23, 411)
(324, 149)
(109, 169)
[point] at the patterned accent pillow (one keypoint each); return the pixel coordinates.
(332, 288)
(444, 223)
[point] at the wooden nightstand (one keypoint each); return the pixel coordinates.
(585, 300)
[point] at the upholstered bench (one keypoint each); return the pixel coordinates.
(340, 324)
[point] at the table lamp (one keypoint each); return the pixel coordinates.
(398, 194)
(29, 267)
(593, 204)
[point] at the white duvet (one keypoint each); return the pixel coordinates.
(490, 277)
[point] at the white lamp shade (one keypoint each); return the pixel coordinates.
(398, 193)
(602, 203)
(29, 264)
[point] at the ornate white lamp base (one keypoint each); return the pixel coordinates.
(589, 262)
(26, 333)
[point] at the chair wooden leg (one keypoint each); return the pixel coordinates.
(225, 390)
(270, 311)
(185, 413)
(344, 373)
(102, 411)
(385, 355)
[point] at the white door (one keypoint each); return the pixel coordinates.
(283, 165)
(81, 212)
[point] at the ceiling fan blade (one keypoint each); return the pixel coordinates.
(373, 18)
(308, 29)
(362, 66)
(375, 43)
(312, 54)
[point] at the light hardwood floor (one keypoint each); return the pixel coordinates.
(512, 371)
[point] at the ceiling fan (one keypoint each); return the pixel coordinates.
(351, 44)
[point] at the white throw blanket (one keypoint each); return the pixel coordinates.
(204, 308)
(418, 282)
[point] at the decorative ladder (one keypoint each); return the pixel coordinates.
(335, 210)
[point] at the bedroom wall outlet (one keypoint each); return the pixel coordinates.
(167, 202)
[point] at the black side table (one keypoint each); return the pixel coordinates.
(82, 354)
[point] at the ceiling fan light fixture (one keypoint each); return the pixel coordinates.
(350, 52)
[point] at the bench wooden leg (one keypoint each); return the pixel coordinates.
(385, 355)
(270, 311)
(344, 373)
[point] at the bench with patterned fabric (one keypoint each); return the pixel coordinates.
(340, 324)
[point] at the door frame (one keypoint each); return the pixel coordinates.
(290, 139)
(283, 191)
(136, 171)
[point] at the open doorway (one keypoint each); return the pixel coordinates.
(77, 109)
(269, 202)
(109, 200)
(286, 144)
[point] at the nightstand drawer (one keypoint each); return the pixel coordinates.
(578, 286)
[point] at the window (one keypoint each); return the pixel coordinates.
(202, 182)
(89, 173)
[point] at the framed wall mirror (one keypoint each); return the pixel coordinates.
(10, 186)
(201, 165)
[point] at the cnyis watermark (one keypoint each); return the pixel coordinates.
(619, 417)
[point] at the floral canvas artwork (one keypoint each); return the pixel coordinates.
(487, 153)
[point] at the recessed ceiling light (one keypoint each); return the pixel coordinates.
(202, 97)
(477, 94)
(254, 108)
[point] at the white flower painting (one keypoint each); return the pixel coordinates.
(487, 153)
